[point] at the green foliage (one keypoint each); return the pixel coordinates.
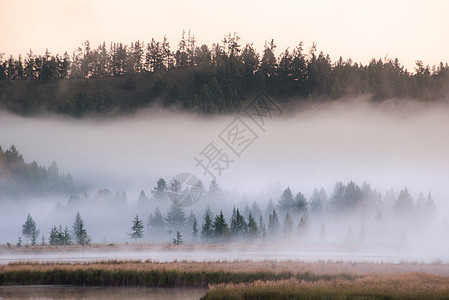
(175, 217)
(137, 229)
(288, 224)
(156, 221)
(202, 79)
(207, 229)
(29, 230)
(273, 224)
(220, 226)
(59, 236)
(238, 225)
(79, 232)
(178, 239)
(253, 229)
(160, 189)
(195, 229)
(18, 178)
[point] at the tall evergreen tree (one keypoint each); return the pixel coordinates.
(207, 229)
(273, 224)
(79, 231)
(29, 230)
(288, 224)
(253, 229)
(160, 189)
(238, 225)
(137, 229)
(195, 229)
(220, 226)
(176, 218)
(262, 227)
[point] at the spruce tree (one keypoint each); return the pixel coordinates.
(220, 226)
(238, 225)
(175, 217)
(288, 224)
(29, 230)
(273, 224)
(137, 229)
(178, 239)
(253, 229)
(207, 229)
(262, 227)
(80, 233)
(195, 229)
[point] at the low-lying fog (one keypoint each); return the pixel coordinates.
(389, 146)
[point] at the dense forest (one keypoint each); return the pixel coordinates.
(18, 179)
(349, 210)
(351, 213)
(118, 78)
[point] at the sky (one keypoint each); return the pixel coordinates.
(360, 30)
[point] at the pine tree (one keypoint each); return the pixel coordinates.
(273, 224)
(137, 229)
(195, 229)
(142, 198)
(53, 238)
(288, 224)
(300, 203)
(29, 230)
(286, 202)
(253, 229)
(80, 233)
(238, 225)
(156, 222)
(190, 219)
(207, 229)
(262, 227)
(303, 224)
(220, 226)
(160, 189)
(66, 237)
(178, 239)
(175, 217)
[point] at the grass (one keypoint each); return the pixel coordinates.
(247, 279)
(391, 286)
(150, 274)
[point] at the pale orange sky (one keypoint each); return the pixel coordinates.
(361, 30)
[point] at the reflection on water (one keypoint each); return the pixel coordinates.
(76, 292)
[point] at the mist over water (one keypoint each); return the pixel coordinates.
(389, 146)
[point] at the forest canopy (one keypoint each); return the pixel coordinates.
(212, 79)
(18, 178)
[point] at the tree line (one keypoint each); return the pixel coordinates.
(57, 235)
(290, 217)
(202, 78)
(18, 179)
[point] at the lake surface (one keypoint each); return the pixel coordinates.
(75, 292)
(223, 255)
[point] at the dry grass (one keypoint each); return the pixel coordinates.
(318, 268)
(248, 280)
(391, 286)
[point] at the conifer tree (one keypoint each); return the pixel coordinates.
(79, 231)
(137, 229)
(253, 229)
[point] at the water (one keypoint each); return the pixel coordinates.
(368, 255)
(76, 292)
